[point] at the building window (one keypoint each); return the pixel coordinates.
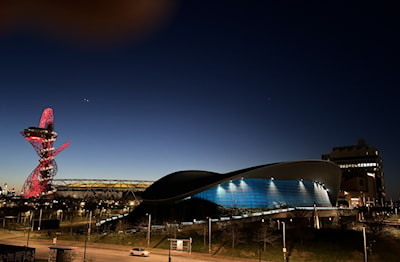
(266, 193)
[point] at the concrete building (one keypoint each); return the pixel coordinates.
(362, 174)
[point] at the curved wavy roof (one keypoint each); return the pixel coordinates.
(182, 184)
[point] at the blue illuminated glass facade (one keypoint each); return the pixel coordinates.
(266, 193)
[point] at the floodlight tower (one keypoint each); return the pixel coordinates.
(39, 182)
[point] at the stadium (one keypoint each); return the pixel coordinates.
(100, 189)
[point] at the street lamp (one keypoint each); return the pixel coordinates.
(209, 235)
(30, 227)
(87, 237)
(29, 232)
(40, 219)
(84, 250)
(284, 241)
(365, 245)
(169, 250)
(148, 230)
(90, 224)
(263, 235)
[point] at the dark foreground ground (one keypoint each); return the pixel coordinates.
(305, 244)
(383, 244)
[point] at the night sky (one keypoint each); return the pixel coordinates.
(145, 88)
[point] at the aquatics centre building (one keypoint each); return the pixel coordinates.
(304, 183)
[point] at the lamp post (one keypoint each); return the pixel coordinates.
(84, 250)
(90, 224)
(284, 240)
(30, 227)
(175, 229)
(29, 232)
(263, 236)
(40, 219)
(87, 237)
(365, 245)
(264, 227)
(169, 250)
(209, 235)
(148, 230)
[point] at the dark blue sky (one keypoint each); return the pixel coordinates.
(210, 85)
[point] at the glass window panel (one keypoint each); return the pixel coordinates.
(265, 193)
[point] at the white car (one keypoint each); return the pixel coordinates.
(137, 251)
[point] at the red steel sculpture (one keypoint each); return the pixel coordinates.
(39, 182)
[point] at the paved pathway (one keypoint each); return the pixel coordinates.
(21, 238)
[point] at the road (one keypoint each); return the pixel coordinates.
(96, 252)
